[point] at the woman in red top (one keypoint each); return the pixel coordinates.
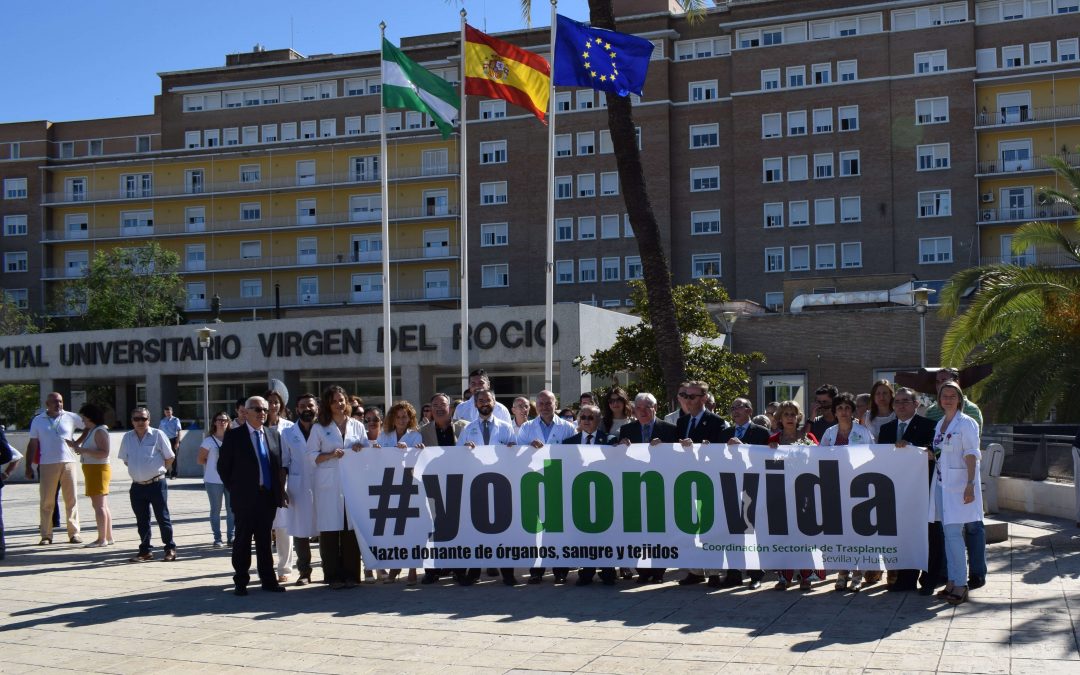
(792, 432)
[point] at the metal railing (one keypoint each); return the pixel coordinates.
(1053, 259)
(1024, 114)
(266, 300)
(1034, 456)
(1030, 212)
(1029, 164)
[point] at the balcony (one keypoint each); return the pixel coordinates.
(1024, 213)
(267, 223)
(399, 295)
(1053, 259)
(998, 166)
(1023, 114)
(405, 173)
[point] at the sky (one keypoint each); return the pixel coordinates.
(67, 60)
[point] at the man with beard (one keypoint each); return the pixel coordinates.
(301, 521)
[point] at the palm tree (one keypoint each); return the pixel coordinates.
(1025, 319)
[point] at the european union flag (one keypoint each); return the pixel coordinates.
(599, 58)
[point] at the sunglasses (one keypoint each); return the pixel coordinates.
(258, 410)
(140, 419)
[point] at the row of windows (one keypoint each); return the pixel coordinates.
(687, 50)
(94, 147)
(14, 188)
(847, 119)
(824, 257)
(1013, 10)
(929, 16)
(820, 74)
(305, 130)
(1038, 53)
(823, 29)
(772, 168)
(609, 227)
(611, 269)
(586, 185)
(824, 212)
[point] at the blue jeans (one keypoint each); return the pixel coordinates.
(153, 496)
(215, 491)
(955, 559)
(975, 540)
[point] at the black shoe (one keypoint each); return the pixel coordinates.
(690, 579)
(273, 588)
(583, 581)
(976, 582)
(755, 584)
(535, 580)
(492, 572)
(732, 580)
(715, 581)
(642, 579)
(240, 590)
(431, 578)
(510, 581)
(926, 590)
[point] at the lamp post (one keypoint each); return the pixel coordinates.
(922, 303)
(728, 320)
(204, 343)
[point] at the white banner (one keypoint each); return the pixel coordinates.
(711, 506)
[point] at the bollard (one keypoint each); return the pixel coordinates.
(1039, 469)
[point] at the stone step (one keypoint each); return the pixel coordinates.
(996, 531)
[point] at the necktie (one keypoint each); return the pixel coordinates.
(588, 441)
(646, 434)
(900, 430)
(485, 429)
(739, 431)
(690, 427)
(264, 459)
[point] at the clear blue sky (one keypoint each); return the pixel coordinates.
(66, 60)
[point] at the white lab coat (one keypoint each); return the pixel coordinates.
(466, 410)
(859, 435)
(281, 518)
(959, 439)
(533, 430)
(329, 499)
(389, 439)
(502, 433)
(301, 520)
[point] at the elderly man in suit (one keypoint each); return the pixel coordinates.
(250, 468)
(444, 431)
(591, 434)
(697, 425)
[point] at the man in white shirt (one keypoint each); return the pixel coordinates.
(171, 427)
(148, 455)
(546, 428)
(486, 429)
(466, 410)
(49, 433)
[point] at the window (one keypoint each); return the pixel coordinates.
(305, 172)
(586, 228)
(15, 226)
(365, 208)
(932, 157)
(931, 62)
(251, 211)
(366, 287)
(352, 125)
(705, 222)
(1015, 155)
(136, 222)
(586, 185)
(414, 120)
(1012, 56)
(212, 137)
(848, 117)
(796, 76)
(705, 266)
(250, 173)
(494, 234)
(492, 193)
(798, 213)
(583, 99)
(610, 269)
(847, 71)
(800, 258)
(609, 183)
(14, 188)
(772, 125)
(142, 144)
(494, 276)
(492, 110)
(251, 288)
(822, 73)
(849, 163)
(934, 250)
(825, 256)
(192, 139)
(1067, 50)
(328, 128)
(823, 165)
(851, 254)
(195, 257)
(250, 135)
(823, 121)
(824, 211)
(772, 170)
(562, 101)
(797, 168)
(17, 297)
(586, 143)
(627, 228)
(703, 91)
(774, 214)
(563, 145)
(1040, 53)
(851, 209)
(704, 179)
(76, 226)
(288, 131)
(137, 185)
(14, 150)
(606, 147)
(96, 148)
(564, 187)
(564, 229)
(564, 271)
(632, 268)
(250, 250)
(365, 168)
(935, 203)
(609, 226)
(796, 123)
(307, 250)
(1067, 6)
(774, 301)
(74, 189)
(774, 259)
(770, 79)
(195, 218)
(932, 110)
(16, 261)
(305, 212)
(704, 136)
(493, 152)
(586, 270)
(231, 136)
(307, 129)
(67, 149)
(193, 181)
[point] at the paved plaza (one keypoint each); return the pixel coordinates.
(63, 607)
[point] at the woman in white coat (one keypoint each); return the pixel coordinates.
(334, 435)
(400, 430)
(956, 494)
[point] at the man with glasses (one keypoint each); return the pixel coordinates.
(148, 455)
(250, 466)
(823, 417)
(698, 425)
(591, 434)
(443, 431)
(49, 433)
(910, 428)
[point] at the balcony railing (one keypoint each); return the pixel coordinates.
(1053, 259)
(340, 298)
(346, 218)
(1023, 114)
(1029, 164)
(1034, 212)
(209, 187)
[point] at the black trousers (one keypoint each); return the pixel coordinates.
(587, 573)
(340, 556)
(254, 520)
(560, 572)
(302, 546)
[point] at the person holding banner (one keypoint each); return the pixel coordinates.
(466, 410)
(792, 432)
(335, 433)
(592, 434)
(400, 430)
(302, 522)
(956, 498)
(523, 410)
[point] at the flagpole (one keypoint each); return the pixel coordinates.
(463, 281)
(388, 375)
(549, 301)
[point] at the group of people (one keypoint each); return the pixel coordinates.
(280, 482)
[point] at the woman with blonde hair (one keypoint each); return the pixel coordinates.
(792, 431)
(400, 430)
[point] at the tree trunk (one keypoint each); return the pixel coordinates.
(654, 262)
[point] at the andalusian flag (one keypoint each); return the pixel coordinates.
(497, 69)
(407, 85)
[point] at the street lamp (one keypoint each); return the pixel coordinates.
(204, 342)
(922, 303)
(728, 319)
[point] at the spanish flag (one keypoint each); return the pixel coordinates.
(497, 69)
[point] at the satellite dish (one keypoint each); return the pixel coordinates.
(278, 387)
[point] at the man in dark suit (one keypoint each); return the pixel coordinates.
(698, 425)
(250, 468)
(443, 431)
(647, 429)
(591, 434)
(910, 428)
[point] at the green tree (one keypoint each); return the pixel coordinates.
(634, 351)
(1024, 319)
(15, 320)
(127, 288)
(18, 403)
